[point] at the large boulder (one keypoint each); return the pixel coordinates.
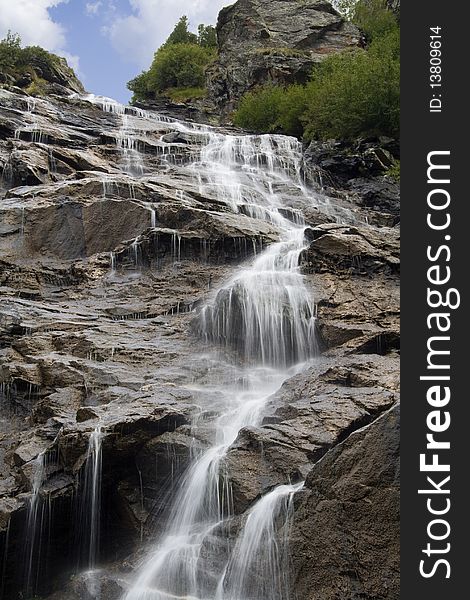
(274, 42)
(345, 538)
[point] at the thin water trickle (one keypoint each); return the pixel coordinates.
(153, 218)
(33, 522)
(90, 501)
(258, 566)
(112, 258)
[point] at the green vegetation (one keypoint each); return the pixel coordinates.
(273, 109)
(394, 171)
(351, 94)
(25, 63)
(356, 94)
(10, 52)
(185, 94)
(179, 64)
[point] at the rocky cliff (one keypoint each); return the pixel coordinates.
(117, 227)
(274, 42)
(46, 73)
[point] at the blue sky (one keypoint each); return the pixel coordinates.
(108, 42)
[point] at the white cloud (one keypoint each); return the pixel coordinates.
(32, 21)
(136, 36)
(92, 8)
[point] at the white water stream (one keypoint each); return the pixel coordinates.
(266, 315)
(263, 319)
(91, 499)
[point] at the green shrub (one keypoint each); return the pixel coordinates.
(185, 94)
(374, 18)
(10, 51)
(140, 86)
(180, 63)
(36, 54)
(273, 109)
(357, 93)
(37, 87)
(260, 109)
(394, 171)
(16, 61)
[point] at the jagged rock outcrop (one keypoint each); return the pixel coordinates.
(345, 538)
(273, 42)
(362, 170)
(46, 73)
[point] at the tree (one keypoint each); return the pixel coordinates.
(10, 51)
(140, 86)
(207, 36)
(178, 66)
(181, 33)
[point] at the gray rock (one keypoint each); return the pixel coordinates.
(312, 413)
(361, 168)
(276, 42)
(345, 537)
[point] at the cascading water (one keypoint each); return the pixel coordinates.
(128, 145)
(262, 321)
(34, 523)
(259, 565)
(90, 501)
(266, 314)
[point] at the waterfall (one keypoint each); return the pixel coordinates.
(203, 501)
(129, 146)
(90, 501)
(260, 325)
(34, 524)
(266, 314)
(258, 567)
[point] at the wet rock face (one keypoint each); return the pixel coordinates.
(362, 170)
(114, 232)
(276, 42)
(345, 539)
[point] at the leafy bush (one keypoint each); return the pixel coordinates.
(179, 64)
(373, 18)
(185, 94)
(273, 109)
(33, 60)
(357, 93)
(260, 109)
(351, 94)
(10, 51)
(394, 171)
